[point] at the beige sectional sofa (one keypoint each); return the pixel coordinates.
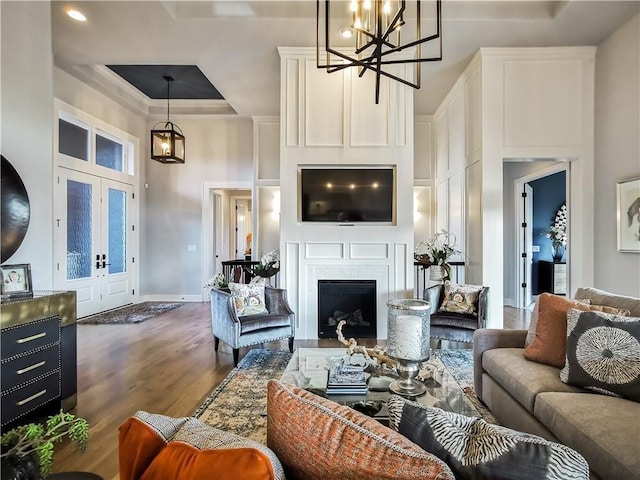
(530, 397)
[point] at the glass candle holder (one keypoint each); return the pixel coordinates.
(408, 342)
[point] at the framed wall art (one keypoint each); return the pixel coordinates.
(628, 193)
(16, 280)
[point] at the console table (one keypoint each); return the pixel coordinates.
(552, 277)
(38, 371)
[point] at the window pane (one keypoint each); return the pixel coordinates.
(109, 153)
(117, 231)
(73, 140)
(78, 230)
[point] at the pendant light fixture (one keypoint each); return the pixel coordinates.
(374, 27)
(167, 139)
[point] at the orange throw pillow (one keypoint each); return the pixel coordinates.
(317, 439)
(550, 343)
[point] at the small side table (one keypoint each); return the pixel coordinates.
(73, 476)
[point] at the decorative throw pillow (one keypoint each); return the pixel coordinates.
(603, 353)
(460, 298)
(475, 449)
(549, 344)
(156, 447)
(533, 322)
(317, 439)
(248, 299)
(606, 309)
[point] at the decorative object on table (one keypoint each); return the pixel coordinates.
(346, 380)
(16, 211)
(269, 265)
(131, 313)
(247, 248)
(408, 342)
(435, 253)
(378, 353)
(167, 139)
(374, 29)
(217, 281)
(16, 281)
(33, 443)
(558, 234)
(628, 199)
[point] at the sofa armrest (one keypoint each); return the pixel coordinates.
(487, 339)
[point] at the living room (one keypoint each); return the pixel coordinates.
(46, 69)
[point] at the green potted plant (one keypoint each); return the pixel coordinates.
(435, 254)
(27, 450)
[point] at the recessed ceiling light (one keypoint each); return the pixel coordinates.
(346, 32)
(76, 15)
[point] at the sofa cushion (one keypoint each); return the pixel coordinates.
(605, 430)
(522, 378)
(549, 344)
(248, 299)
(460, 298)
(600, 297)
(459, 320)
(318, 439)
(157, 447)
(603, 353)
(475, 449)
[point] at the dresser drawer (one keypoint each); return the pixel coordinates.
(25, 368)
(29, 336)
(31, 396)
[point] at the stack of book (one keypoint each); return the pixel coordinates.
(347, 380)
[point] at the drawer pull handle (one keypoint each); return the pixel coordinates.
(31, 398)
(32, 367)
(32, 337)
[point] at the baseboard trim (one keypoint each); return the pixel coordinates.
(171, 298)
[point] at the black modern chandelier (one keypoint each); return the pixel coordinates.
(167, 139)
(374, 27)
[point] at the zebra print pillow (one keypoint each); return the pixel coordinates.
(475, 449)
(603, 353)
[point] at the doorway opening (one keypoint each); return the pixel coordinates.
(537, 189)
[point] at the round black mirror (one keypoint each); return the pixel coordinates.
(15, 210)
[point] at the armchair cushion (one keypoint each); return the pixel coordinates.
(458, 320)
(460, 298)
(251, 323)
(248, 299)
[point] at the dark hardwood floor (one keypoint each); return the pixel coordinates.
(164, 365)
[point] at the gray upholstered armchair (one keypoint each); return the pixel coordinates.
(238, 332)
(455, 327)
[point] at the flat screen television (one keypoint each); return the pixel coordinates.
(347, 195)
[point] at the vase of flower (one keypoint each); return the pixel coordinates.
(557, 252)
(437, 273)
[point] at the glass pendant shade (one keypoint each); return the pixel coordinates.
(167, 143)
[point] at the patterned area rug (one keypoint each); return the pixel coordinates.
(239, 402)
(131, 314)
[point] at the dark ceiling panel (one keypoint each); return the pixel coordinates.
(188, 81)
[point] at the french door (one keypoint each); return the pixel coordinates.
(93, 240)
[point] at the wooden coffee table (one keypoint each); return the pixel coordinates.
(309, 366)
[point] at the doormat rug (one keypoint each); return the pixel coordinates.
(131, 314)
(238, 404)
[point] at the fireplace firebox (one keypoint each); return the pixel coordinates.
(351, 300)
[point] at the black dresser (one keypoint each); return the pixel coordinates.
(39, 356)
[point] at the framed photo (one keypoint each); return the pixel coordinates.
(16, 280)
(629, 215)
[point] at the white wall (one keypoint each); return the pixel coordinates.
(219, 151)
(26, 123)
(617, 152)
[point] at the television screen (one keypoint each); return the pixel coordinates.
(346, 194)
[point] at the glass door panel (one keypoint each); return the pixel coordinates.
(117, 236)
(79, 230)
